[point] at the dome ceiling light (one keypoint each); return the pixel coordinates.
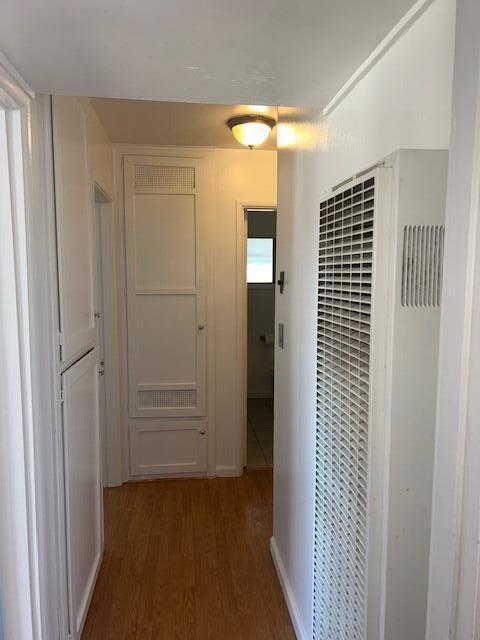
(251, 130)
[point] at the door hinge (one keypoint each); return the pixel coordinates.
(61, 396)
(60, 344)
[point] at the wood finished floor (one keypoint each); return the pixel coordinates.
(189, 560)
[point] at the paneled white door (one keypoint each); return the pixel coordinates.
(74, 200)
(83, 485)
(165, 286)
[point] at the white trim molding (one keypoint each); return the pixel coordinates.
(14, 91)
(287, 591)
(21, 555)
(412, 15)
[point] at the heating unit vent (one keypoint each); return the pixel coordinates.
(343, 357)
(168, 399)
(148, 176)
(422, 266)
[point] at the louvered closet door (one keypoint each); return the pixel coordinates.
(165, 286)
(342, 434)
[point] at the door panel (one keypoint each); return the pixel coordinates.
(165, 241)
(74, 198)
(83, 484)
(166, 342)
(165, 286)
(168, 447)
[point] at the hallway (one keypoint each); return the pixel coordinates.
(189, 559)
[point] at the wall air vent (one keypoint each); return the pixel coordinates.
(149, 176)
(379, 283)
(167, 399)
(422, 265)
(343, 357)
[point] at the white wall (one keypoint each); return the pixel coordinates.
(454, 560)
(249, 178)
(403, 101)
(100, 149)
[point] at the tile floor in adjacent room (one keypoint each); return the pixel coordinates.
(260, 433)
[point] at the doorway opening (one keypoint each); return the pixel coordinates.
(260, 274)
(106, 322)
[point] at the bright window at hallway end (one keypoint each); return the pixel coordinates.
(260, 260)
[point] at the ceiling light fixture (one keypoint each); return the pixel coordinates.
(251, 130)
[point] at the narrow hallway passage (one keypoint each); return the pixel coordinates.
(189, 560)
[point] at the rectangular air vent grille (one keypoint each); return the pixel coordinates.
(422, 265)
(167, 399)
(148, 176)
(343, 361)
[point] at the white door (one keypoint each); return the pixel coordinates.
(83, 485)
(165, 286)
(74, 198)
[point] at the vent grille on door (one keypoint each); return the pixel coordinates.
(343, 356)
(422, 266)
(148, 176)
(168, 399)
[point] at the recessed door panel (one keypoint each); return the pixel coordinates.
(166, 339)
(83, 486)
(165, 286)
(74, 199)
(167, 447)
(165, 241)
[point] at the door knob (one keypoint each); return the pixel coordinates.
(201, 327)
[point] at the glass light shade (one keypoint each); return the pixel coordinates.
(251, 134)
(251, 130)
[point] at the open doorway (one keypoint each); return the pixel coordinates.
(261, 241)
(106, 323)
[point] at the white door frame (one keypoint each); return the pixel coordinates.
(112, 473)
(28, 569)
(242, 327)
(454, 583)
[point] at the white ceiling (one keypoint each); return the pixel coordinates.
(174, 123)
(278, 52)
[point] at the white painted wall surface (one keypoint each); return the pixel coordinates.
(249, 178)
(403, 101)
(101, 150)
(261, 322)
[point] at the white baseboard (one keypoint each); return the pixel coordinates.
(287, 591)
(228, 471)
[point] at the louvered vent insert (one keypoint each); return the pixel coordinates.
(422, 266)
(148, 176)
(168, 399)
(343, 356)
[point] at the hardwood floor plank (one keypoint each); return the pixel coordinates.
(189, 560)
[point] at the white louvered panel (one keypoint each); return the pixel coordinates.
(167, 399)
(151, 176)
(422, 265)
(343, 362)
